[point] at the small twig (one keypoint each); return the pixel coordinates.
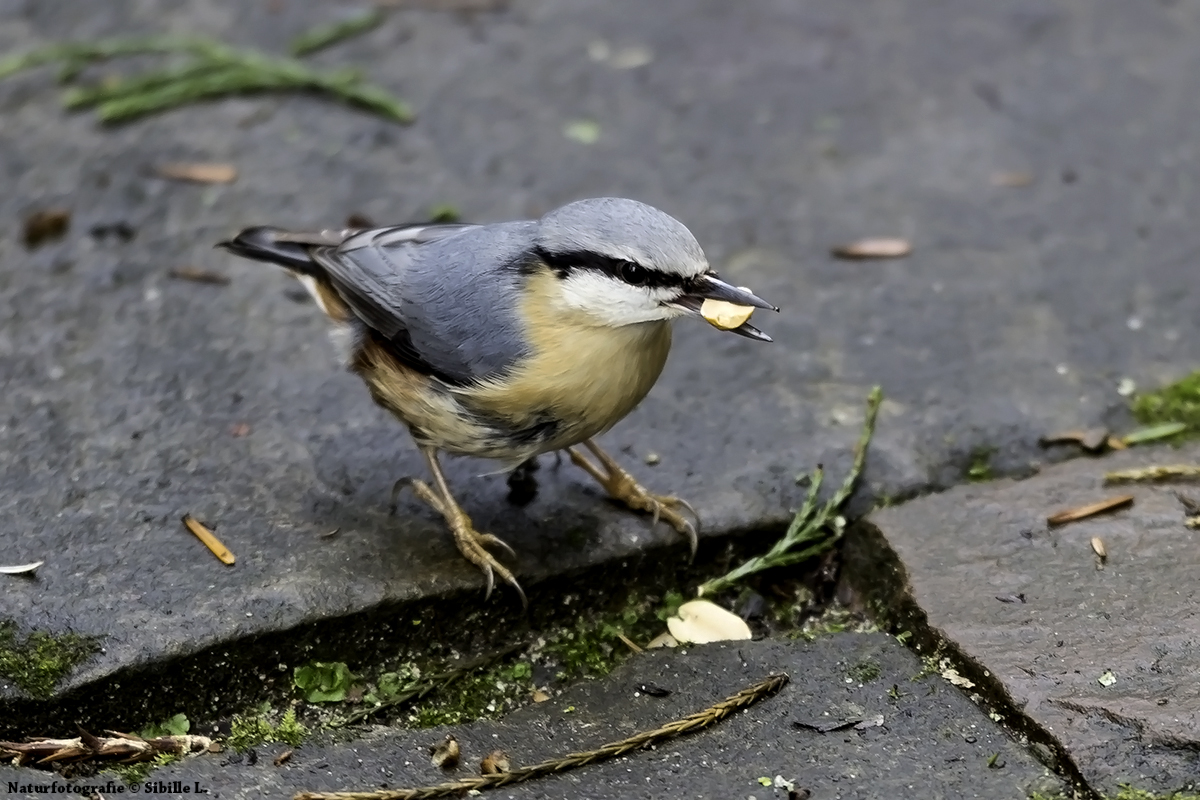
(418, 690)
(122, 746)
(814, 526)
(629, 643)
(695, 722)
(1168, 472)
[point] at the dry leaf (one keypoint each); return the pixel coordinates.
(494, 763)
(631, 58)
(209, 538)
(283, 758)
(46, 225)
(663, 640)
(1091, 439)
(700, 622)
(1098, 547)
(445, 754)
(198, 275)
(958, 680)
(21, 569)
(1107, 678)
(874, 248)
(198, 173)
(539, 696)
(1013, 180)
(1165, 472)
(723, 315)
(584, 131)
(1091, 510)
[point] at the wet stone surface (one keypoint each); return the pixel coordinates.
(1099, 655)
(774, 130)
(930, 740)
(123, 387)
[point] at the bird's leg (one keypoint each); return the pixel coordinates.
(470, 542)
(622, 486)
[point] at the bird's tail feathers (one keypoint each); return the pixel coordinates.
(277, 246)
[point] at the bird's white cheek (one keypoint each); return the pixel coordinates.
(610, 301)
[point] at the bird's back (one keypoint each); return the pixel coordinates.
(457, 311)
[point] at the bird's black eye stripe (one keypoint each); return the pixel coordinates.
(564, 264)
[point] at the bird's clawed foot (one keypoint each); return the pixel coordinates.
(620, 485)
(470, 542)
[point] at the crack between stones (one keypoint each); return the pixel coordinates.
(879, 577)
(239, 671)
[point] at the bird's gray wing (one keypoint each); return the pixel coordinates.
(443, 296)
(366, 266)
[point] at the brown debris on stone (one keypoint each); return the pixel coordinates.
(46, 226)
(1090, 510)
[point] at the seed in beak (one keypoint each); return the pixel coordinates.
(724, 315)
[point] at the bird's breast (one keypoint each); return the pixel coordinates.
(583, 377)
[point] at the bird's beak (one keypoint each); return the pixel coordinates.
(710, 287)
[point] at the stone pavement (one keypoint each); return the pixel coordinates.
(931, 741)
(1095, 659)
(774, 130)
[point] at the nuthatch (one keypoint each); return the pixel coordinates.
(509, 340)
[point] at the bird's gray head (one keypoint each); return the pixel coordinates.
(624, 262)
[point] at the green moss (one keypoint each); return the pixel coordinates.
(864, 671)
(38, 661)
(249, 731)
(980, 468)
(672, 600)
(834, 619)
(140, 771)
(1177, 402)
(177, 725)
(594, 650)
(929, 666)
(290, 730)
(1126, 792)
(591, 648)
(485, 694)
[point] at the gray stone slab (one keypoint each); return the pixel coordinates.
(1100, 658)
(773, 129)
(933, 742)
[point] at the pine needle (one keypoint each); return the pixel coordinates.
(323, 36)
(815, 528)
(213, 70)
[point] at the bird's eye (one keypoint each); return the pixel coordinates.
(633, 274)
